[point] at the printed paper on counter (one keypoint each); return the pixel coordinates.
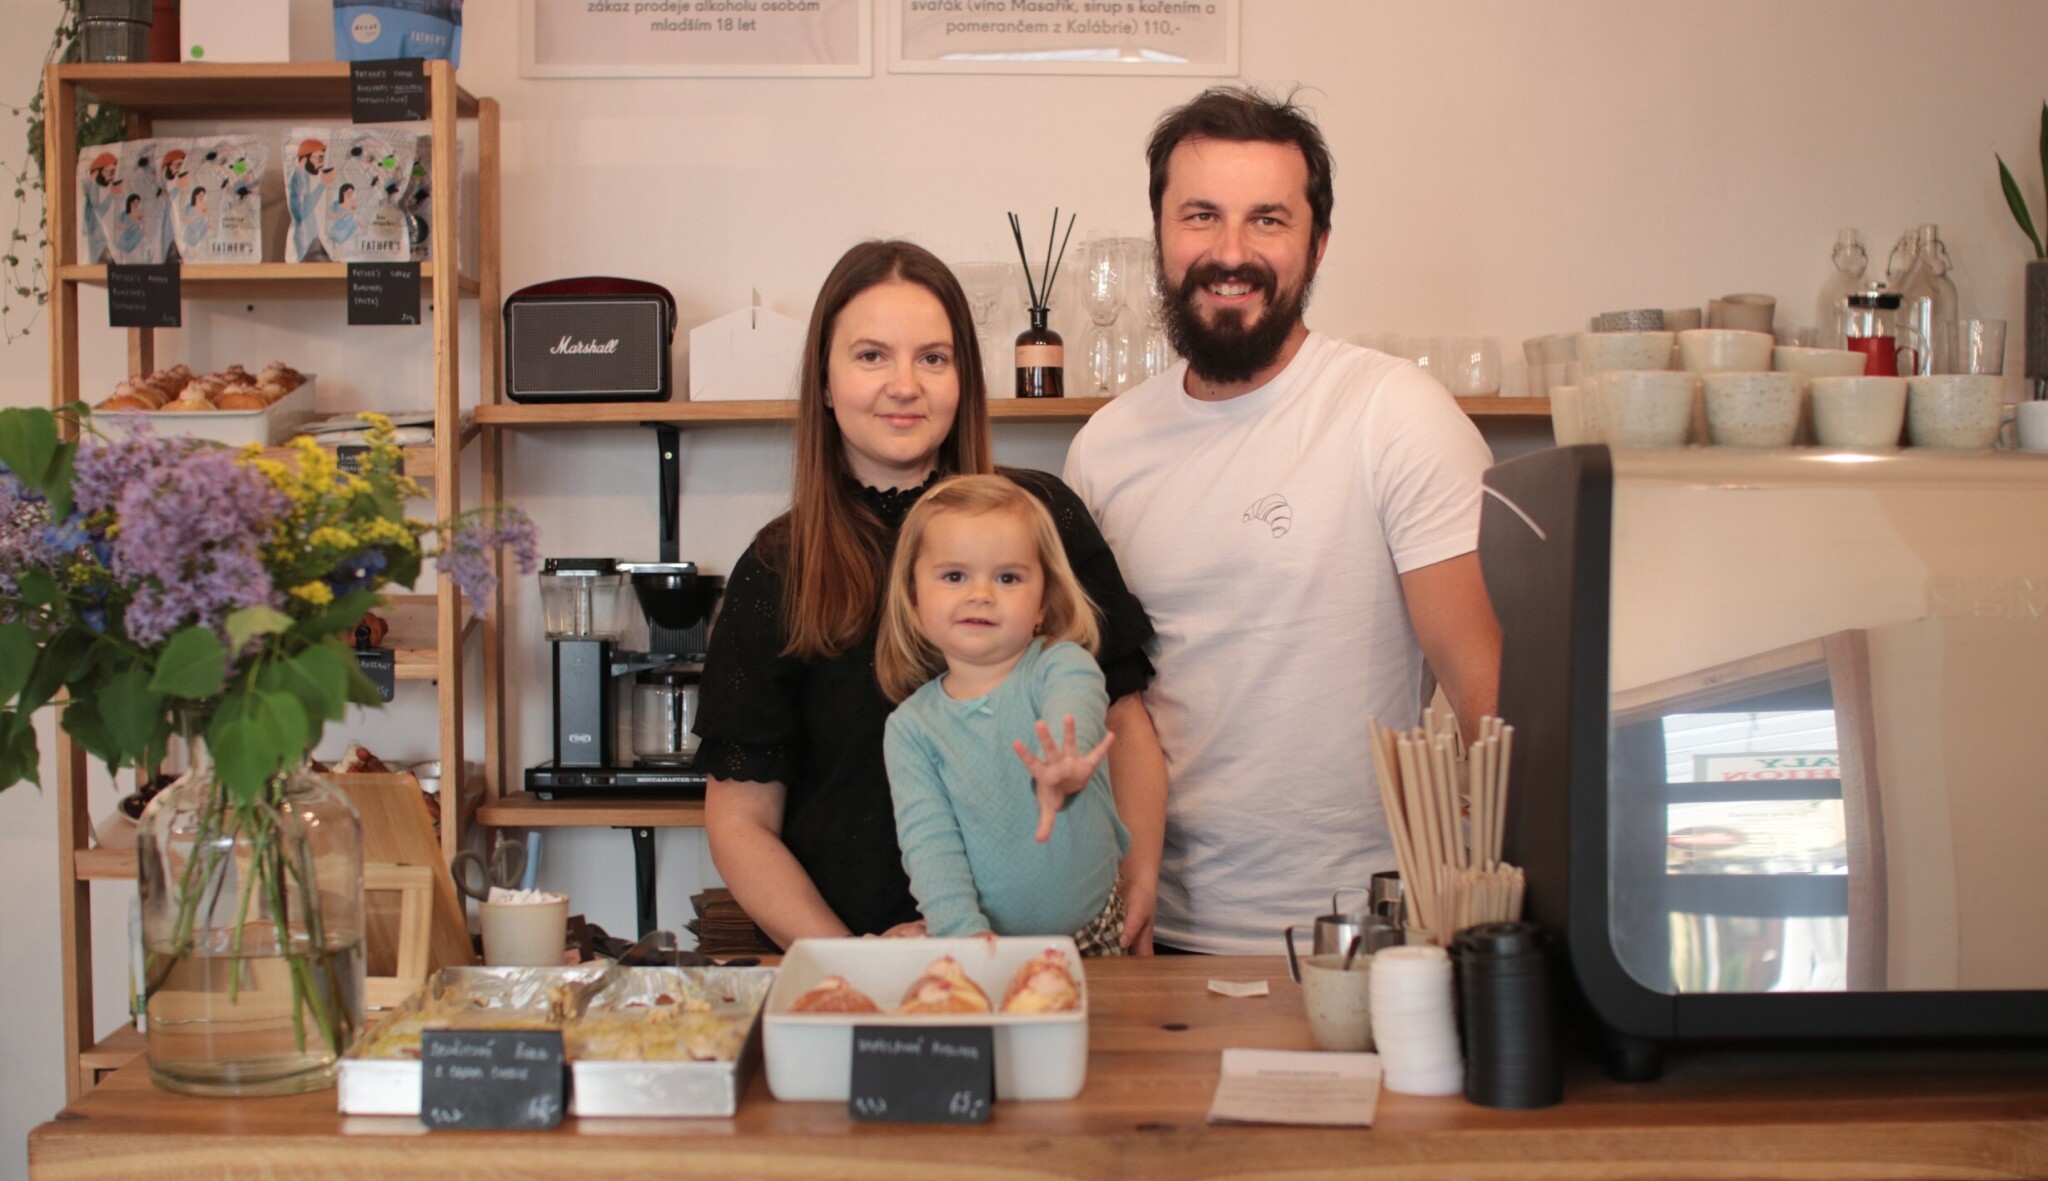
(1297, 1087)
(1239, 989)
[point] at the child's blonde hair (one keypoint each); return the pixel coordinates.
(904, 657)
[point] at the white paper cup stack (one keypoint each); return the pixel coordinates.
(1414, 1023)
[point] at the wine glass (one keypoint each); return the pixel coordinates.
(1102, 295)
(1471, 366)
(984, 283)
(1151, 355)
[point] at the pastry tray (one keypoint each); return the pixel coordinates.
(810, 1055)
(597, 996)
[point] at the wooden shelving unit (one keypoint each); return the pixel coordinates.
(429, 630)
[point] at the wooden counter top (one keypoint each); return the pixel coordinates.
(1720, 1114)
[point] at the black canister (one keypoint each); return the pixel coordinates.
(114, 30)
(1510, 1023)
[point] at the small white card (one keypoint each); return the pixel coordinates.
(1297, 1087)
(1239, 989)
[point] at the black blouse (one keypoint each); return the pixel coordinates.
(816, 726)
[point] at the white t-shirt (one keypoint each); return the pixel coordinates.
(1265, 536)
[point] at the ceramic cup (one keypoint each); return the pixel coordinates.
(1955, 412)
(1817, 362)
(1683, 319)
(1642, 410)
(1753, 409)
(2030, 426)
(1724, 350)
(1633, 320)
(1865, 413)
(1600, 352)
(1338, 1001)
(524, 934)
(1568, 416)
(1744, 313)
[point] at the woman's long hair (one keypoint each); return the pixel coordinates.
(905, 657)
(838, 548)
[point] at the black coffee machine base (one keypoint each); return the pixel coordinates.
(677, 782)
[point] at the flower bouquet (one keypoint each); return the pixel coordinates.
(171, 590)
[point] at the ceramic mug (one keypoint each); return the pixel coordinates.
(1746, 313)
(1955, 412)
(1721, 350)
(1600, 352)
(1865, 413)
(1644, 409)
(524, 934)
(1568, 416)
(2030, 426)
(1818, 362)
(1339, 1001)
(1753, 409)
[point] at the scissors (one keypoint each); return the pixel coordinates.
(475, 876)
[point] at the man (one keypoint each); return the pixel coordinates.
(1300, 517)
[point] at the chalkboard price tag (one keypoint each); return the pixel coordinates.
(140, 296)
(383, 293)
(492, 1079)
(349, 457)
(379, 665)
(393, 90)
(922, 1075)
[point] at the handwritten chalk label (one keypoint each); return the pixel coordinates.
(349, 457)
(492, 1079)
(382, 669)
(383, 293)
(922, 1074)
(390, 91)
(140, 296)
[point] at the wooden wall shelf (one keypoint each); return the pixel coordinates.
(513, 415)
(525, 810)
(262, 280)
(228, 90)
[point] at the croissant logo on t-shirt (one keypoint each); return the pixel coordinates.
(1274, 511)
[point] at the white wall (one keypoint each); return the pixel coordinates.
(1503, 167)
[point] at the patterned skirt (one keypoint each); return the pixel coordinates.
(1105, 932)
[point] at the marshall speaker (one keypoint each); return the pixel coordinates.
(595, 339)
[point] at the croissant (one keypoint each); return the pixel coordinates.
(1043, 985)
(944, 988)
(834, 995)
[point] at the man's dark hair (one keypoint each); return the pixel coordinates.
(1244, 114)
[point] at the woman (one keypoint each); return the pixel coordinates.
(798, 810)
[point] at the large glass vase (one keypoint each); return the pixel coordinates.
(252, 931)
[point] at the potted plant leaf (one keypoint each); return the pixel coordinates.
(2037, 269)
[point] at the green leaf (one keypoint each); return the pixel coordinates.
(342, 614)
(317, 677)
(57, 481)
(2018, 204)
(17, 657)
(2044, 161)
(37, 588)
(65, 659)
(289, 727)
(19, 760)
(245, 755)
(81, 720)
(193, 666)
(133, 715)
(28, 442)
(249, 622)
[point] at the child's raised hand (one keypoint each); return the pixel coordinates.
(1063, 771)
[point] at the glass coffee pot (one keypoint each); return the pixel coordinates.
(1869, 325)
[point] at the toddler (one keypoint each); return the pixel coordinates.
(985, 637)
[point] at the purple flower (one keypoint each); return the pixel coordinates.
(465, 554)
(24, 533)
(190, 540)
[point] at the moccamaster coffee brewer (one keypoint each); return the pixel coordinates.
(601, 682)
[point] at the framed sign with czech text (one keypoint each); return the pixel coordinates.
(696, 38)
(1184, 37)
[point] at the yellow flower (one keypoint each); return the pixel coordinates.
(329, 537)
(318, 594)
(384, 532)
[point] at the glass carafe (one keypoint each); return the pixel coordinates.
(1850, 261)
(1869, 322)
(1926, 298)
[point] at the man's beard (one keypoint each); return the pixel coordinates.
(1228, 352)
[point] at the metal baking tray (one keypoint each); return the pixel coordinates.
(591, 1003)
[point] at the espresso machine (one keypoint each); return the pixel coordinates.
(626, 670)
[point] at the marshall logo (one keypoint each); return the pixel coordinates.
(569, 347)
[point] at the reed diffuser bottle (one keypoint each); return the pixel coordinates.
(1041, 354)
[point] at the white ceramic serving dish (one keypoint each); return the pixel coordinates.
(810, 1055)
(269, 426)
